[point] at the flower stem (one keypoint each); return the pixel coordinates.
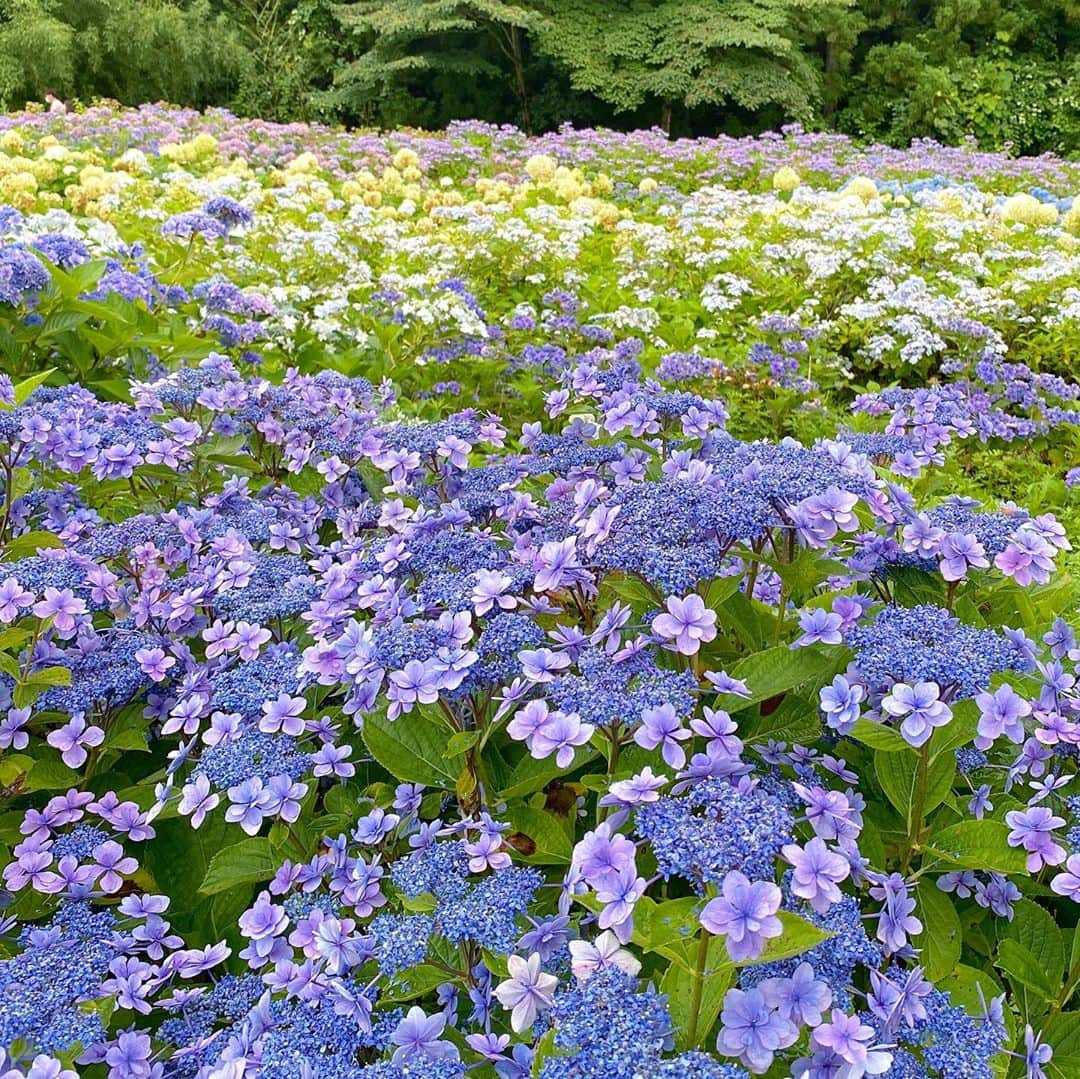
(699, 986)
(915, 820)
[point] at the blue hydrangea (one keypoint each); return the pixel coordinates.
(715, 827)
(928, 644)
(400, 940)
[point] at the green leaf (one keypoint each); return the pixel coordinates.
(678, 984)
(779, 669)
(1063, 1034)
(941, 939)
(14, 637)
(411, 748)
(799, 936)
(662, 924)
(116, 389)
(342, 801)
(553, 843)
(28, 385)
(127, 731)
(531, 775)
(28, 543)
(978, 844)
(809, 569)
(246, 862)
(49, 676)
(744, 619)
(49, 773)
(412, 983)
(959, 731)
(1037, 931)
(796, 720)
(60, 322)
(1023, 969)
(545, 1050)
(458, 743)
(424, 903)
(898, 775)
(878, 736)
(13, 766)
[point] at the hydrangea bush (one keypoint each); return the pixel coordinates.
(465, 611)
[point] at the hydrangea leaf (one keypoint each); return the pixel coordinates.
(977, 844)
(1024, 970)
(550, 842)
(246, 862)
(898, 774)
(412, 748)
(941, 940)
(678, 984)
(1037, 931)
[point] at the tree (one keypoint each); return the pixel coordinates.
(687, 52)
(999, 70)
(132, 50)
(290, 54)
(401, 38)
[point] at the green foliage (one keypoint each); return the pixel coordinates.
(401, 42)
(707, 52)
(1003, 72)
(288, 55)
(130, 50)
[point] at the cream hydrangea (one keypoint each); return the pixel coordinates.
(786, 179)
(861, 186)
(1024, 209)
(541, 168)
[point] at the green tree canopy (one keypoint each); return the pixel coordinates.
(465, 39)
(746, 53)
(132, 50)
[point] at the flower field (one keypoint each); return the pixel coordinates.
(584, 607)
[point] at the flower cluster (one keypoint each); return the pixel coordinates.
(597, 727)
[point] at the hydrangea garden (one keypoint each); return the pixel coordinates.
(583, 607)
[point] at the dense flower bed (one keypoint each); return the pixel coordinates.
(426, 648)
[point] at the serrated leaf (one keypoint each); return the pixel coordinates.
(898, 775)
(978, 844)
(28, 543)
(553, 843)
(678, 984)
(798, 936)
(1037, 931)
(412, 983)
(247, 862)
(662, 924)
(879, 736)
(1022, 968)
(14, 637)
(49, 676)
(777, 670)
(531, 775)
(13, 766)
(959, 731)
(127, 731)
(458, 743)
(940, 941)
(411, 748)
(49, 773)
(28, 385)
(1063, 1034)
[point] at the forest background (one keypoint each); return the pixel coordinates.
(1005, 72)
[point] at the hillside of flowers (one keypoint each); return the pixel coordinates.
(576, 607)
